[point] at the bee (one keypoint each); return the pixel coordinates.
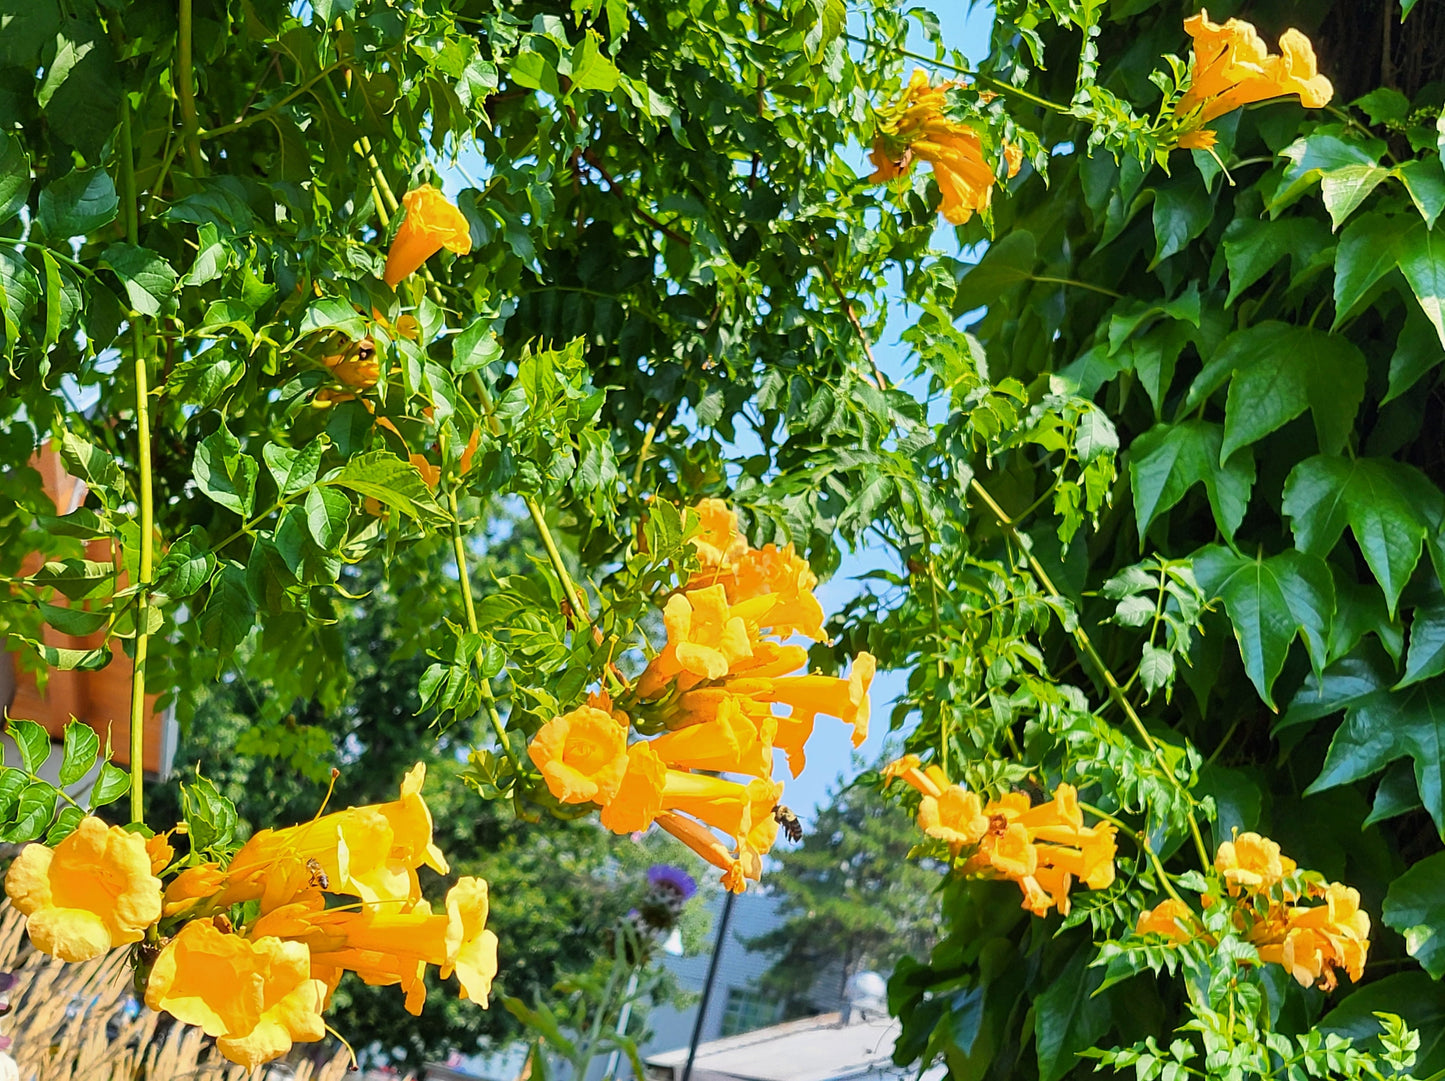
(785, 818)
(318, 874)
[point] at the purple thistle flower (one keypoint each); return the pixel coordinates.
(664, 876)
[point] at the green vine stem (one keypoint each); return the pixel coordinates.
(147, 505)
(489, 701)
(1086, 646)
(186, 89)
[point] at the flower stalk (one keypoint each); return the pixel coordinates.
(147, 505)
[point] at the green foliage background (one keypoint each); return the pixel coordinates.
(1178, 539)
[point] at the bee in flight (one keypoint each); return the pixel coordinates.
(792, 828)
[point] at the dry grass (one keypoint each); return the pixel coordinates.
(62, 1015)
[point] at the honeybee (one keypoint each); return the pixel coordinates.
(318, 874)
(792, 828)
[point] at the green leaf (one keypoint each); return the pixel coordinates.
(1422, 259)
(333, 313)
(14, 176)
(1345, 188)
(78, 203)
(475, 347)
(1368, 251)
(76, 621)
(12, 783)
(1426, 657)
(1068, 1017)
(1182, 209)
(19, 295)
(186, 565)
(32, 741)
(65, 659)
(76, 578)
(590, 69)
(1387, 725)
(1270, 602)
(293, 469)
(1169, 459)
(1389, 507)
(100, 472)
(81, 91)
(828, 20)
(1413, 995)
(33, 814)
(225, 473)
(65, 824)
(1253, 247)
(1424, 179)
(112, 783)
(1006, 265)
(1417, 352)
(1279, 371)
(229, 612)
(210, 817)
(1312, 156)
(81, 748)
(148, 279)
(1382, 104)
(391, 480)
(327, 513)
(1415, 906)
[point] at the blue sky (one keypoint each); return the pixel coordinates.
(830, 753)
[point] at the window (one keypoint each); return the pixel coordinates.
(747, 1010)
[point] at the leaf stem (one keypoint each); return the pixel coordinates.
(489, 701)
(147, 506)
(186, 89)
(1086, 646)
(266, 114)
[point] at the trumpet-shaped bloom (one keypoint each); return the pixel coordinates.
(431, 223)
(356, 365)
(916, 127)
(1232, 67)
(1251, 862)
(731, 743)
(704, 638)
(639, 798)
(1164, 919)
(1317, 940)
(724, 805)
(256, 998)
(471, 947)
(90, 893)
(954, 816)
(718, 540)
(706, 844)
(582, 755)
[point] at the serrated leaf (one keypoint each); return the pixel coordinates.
(1415, 906)
(1169, 459)
(327, 514)
(65, 659)
(225, 473)
(1279, 371)
(1422, 260)
(14, 176)
(81, 748)
(65, 824)
(229, 612)
(1368, 250)
(76, 578)
(1388, 506)
(94, 466)
(31, 740)
(78, 203)
(33, 813)
(293, 469)
(1345, 188)
(1424, 180)
(1270, 602)
(1252, 248)
(391, 480)
(1426, 657)
(112, 783)
(148, 279)
(1417, 352)
(74, 621)
(1387, 725)
(186, 566)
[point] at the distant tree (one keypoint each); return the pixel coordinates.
(850, 895)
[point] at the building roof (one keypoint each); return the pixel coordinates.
(818, 1048)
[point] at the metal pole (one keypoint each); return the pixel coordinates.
(717, 948)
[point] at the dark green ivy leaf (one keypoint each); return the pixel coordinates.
(1169, 459)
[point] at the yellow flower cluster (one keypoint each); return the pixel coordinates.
(1043, 848)
(261, 984)
(1232, 67)
(714, 686)
(916, 127)
(1312, 942)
